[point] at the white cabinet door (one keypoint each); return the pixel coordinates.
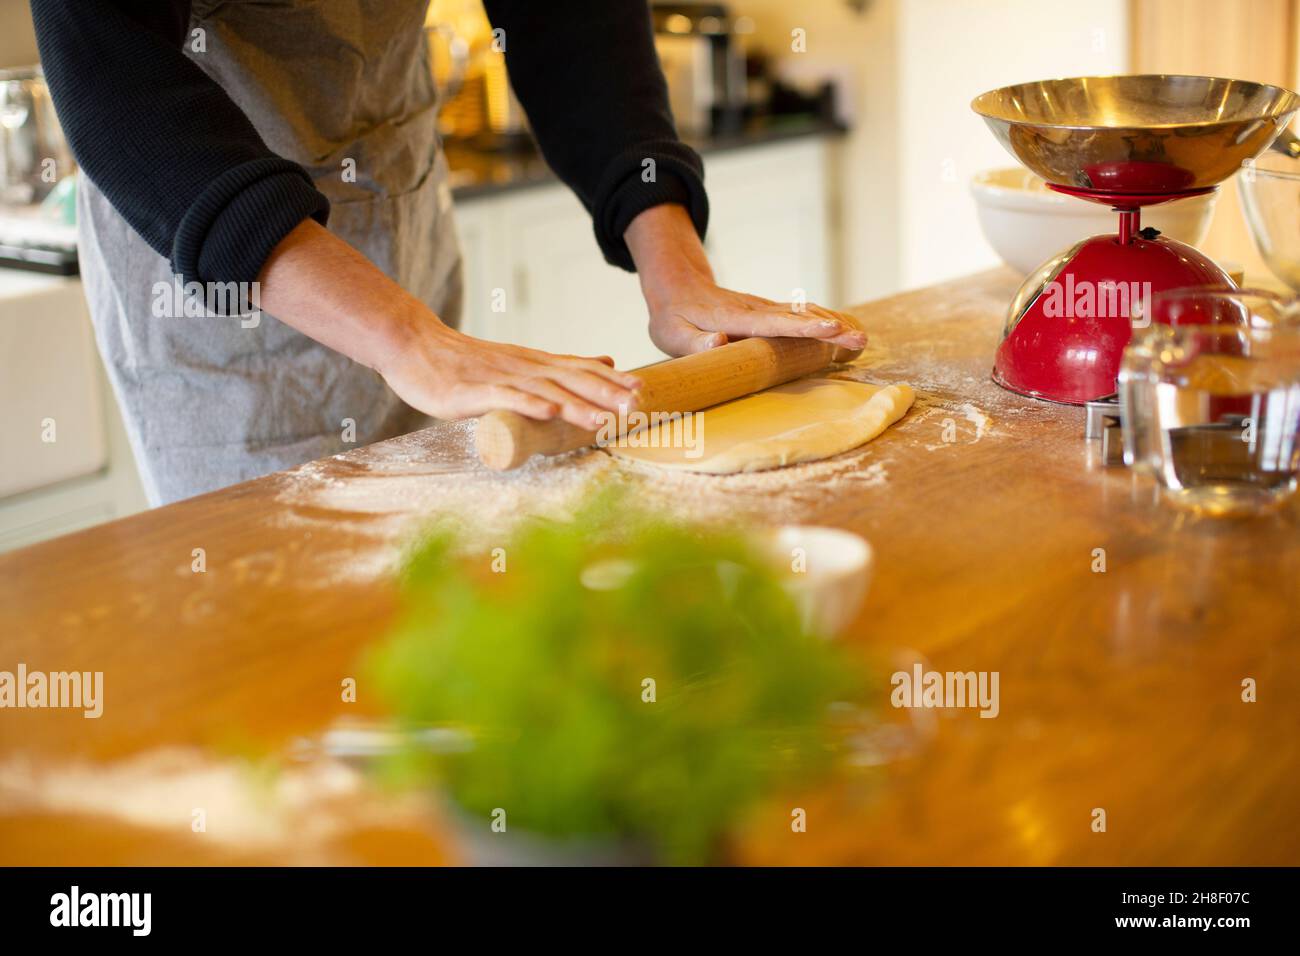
(486, 270)
(472, 226)
(769, 229)
(566, 297)
(65, 462)
(51, 414)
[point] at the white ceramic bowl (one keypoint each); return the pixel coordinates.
(825, 570)
(1026, 223)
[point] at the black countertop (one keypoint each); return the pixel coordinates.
(477, 173)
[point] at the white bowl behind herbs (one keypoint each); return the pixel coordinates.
(826, 571)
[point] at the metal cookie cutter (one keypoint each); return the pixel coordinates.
(1104, 423)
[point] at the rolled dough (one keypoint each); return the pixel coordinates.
(807, 420)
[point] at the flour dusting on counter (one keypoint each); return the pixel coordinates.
(297, 810)
(384, 495)
(358, 511)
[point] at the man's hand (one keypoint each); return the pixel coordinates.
(690, 312)
(324, 288)
(450, 375)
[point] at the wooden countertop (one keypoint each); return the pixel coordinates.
(1119, 690)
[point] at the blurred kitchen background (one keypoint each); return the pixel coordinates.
(841, 158)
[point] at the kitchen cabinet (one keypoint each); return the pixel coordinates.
(64, 459)
(534, 276)
(50, 408)
(772, 228)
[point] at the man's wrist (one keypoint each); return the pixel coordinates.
(406, 322)
(667, 251)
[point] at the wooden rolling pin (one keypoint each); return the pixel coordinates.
(505, 440)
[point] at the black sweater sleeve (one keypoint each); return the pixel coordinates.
(588, 77)
(169, 149)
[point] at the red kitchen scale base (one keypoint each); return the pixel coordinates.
(1072, 318)
(1127, 142)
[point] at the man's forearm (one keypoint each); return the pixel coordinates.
(327, 290)
(321, 286)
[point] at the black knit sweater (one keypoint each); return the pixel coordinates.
(184, 166)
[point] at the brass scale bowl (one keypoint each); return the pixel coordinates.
(1145, 134)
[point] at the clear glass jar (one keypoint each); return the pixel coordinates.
(1211, 398)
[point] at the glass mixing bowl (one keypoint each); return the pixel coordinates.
(1270, 198)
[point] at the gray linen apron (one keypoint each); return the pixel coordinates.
(336, 85)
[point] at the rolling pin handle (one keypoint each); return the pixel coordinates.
(501, 439)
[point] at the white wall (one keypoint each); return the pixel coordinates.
(911, 68)
(951, 51)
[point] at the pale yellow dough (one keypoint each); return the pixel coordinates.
(807, 420)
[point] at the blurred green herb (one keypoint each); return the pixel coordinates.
(547, 676)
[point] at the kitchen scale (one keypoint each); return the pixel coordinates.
(1127, 142)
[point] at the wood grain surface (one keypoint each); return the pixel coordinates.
(1120, 690)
